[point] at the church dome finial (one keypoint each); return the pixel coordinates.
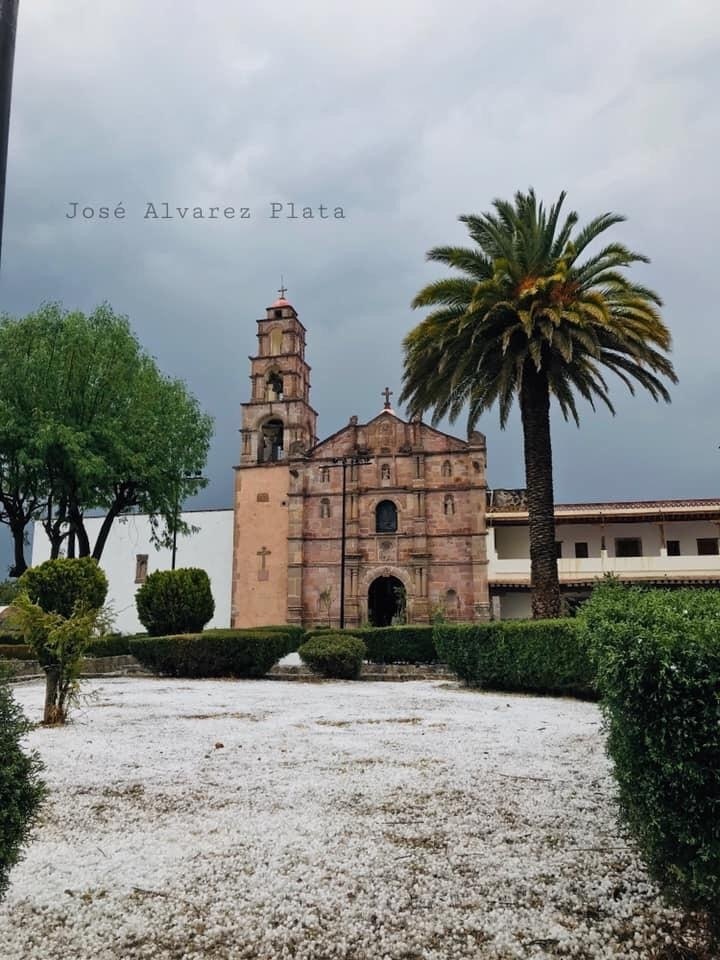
(281, 300)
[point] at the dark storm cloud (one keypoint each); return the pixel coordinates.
(406, 114)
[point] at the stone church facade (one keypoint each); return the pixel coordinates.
(399, 505)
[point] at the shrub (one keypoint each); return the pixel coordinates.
(175, 601)
(109, 646)
(539, 656)
(20, 787)
(59, 609)
(401, 644)
(215, 653)
(62, 586)
(334, 655)
(17, 651)
(658, 662)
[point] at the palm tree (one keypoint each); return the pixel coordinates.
(528, 319)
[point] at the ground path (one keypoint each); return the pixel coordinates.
(263, 820)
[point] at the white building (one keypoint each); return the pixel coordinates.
(664, 543)
(129, 555)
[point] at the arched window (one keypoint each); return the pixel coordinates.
(449, 505)
(385, 471)
(270, 447)
(386, 520)
(324, 474)
(276, 337)
(324, 508)
(274, 386)
(451, 604)
(447, 469)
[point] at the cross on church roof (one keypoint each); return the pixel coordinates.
(387, 393)
(282, 290)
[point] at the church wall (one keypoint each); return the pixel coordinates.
(438, 486)
(259, 591)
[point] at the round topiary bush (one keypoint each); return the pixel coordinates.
(62, 586)
(175, 601)
(334, 655)
(20, 787)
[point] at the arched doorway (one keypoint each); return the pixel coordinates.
(386, 600)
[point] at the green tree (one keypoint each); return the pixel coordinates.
(21, 789)
(59, 612)
(87, 421)
(532, 317)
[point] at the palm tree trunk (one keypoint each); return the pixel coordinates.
(535, 412)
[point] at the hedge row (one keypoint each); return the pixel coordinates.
(400, 644)
(658, 664)
(17, 651)
(215, 653)
(538, 656)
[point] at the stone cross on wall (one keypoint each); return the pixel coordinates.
(263, 554)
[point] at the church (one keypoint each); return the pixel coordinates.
(381, 522)
(389, 521)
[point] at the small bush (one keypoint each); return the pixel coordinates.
(20, 787)
(17, 651)
(221, 653)
(658, 660)
(334, 655)
(175, 601)
(401, 644)
(539, 656)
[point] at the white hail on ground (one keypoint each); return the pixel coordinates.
(266, 819)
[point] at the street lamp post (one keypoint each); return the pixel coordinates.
(8, 25)
(345, 461)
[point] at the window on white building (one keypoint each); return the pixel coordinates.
(141, 567)
(673, 548)
(581, 550)
(628, 547)
(707, 546)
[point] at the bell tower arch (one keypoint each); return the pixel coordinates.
(278, 421)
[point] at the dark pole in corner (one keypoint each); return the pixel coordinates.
(342, 550)
(175, 524)
(8, 25)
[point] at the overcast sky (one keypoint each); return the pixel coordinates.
(405, 114)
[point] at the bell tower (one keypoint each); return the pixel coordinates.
(278, 424)
(278, 421)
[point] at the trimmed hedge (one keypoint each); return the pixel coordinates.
(658, 660)
(175, 601)
(20, 786)
(17, 651)
(214, 653)
(289, 636)
(335, 655)
(401, 644)
(538, 656)
(111, 646)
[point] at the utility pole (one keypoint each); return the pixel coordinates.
(344, 462)
(8, 25)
